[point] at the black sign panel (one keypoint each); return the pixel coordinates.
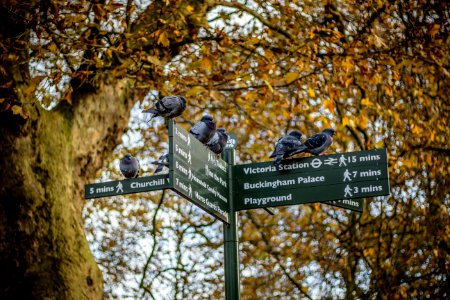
(198, 174)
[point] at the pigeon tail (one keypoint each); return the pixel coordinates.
(159, 168)
(152, 111)
(315, 151)
(277, 160)
(274, 153)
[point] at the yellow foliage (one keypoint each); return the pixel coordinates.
(195, 90)
(366, 102)
(162, 39)
(291, 76)
(206, 64)
(330, 105)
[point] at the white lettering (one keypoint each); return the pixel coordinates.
(266, 200)
(268, 184)
(105, 189)
(370, 157)
(371, 188)
(310, 179)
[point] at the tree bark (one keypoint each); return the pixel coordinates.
(46, 157)
(45, 161)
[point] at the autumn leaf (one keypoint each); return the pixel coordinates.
(154, 60)
(162, 39)
(291, 76)
(330, 105)
(206, 64)
(52, 47)
(366, 102)
(17, 110)
(195, 90)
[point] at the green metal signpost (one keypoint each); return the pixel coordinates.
(222, 188)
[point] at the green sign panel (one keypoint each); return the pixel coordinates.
(338, 177)
(352, 204)
(126, 186)
(311, 194)
(198, 174)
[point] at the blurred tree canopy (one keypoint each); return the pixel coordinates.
(73, 72)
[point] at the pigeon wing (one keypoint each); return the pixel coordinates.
(326, 144)
(291, 144)
(316, 141)
(214, 140)
(198, 129)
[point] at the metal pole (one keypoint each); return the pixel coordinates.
(230, 237)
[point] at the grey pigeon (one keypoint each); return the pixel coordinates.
(204, 130)
(286, 145)
(163, 161)
(129, 166)
(218, 141)
(318, 143)
(168, 107)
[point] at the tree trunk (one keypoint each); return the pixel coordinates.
(45, 162)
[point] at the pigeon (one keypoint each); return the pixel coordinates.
(286, 145)
(218, 141)
(163, 161)
(318, 143)
(129, 166)
(204, 130)
(168, 107)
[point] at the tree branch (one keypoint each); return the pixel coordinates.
(245, 8)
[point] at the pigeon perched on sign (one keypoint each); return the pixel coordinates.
(218, 141)
(318, 143)
(129, 166)
(163, 161)
(204, 130)
(286, 145)
(168, 107)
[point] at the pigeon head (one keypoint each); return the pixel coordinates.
(330, 131)
(183, 99)
(206, 118)
(221, 130)
(297, 134)
(127, 156)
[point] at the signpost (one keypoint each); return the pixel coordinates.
(222, 188)
(340, 178)
(198, 174)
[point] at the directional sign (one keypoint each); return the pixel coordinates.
(198, 174)
(126, 186)
(352, 204)
(347, 176)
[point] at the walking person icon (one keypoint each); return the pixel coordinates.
(342, 161)
(348, 191)
(119, 187)
(347, 175)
